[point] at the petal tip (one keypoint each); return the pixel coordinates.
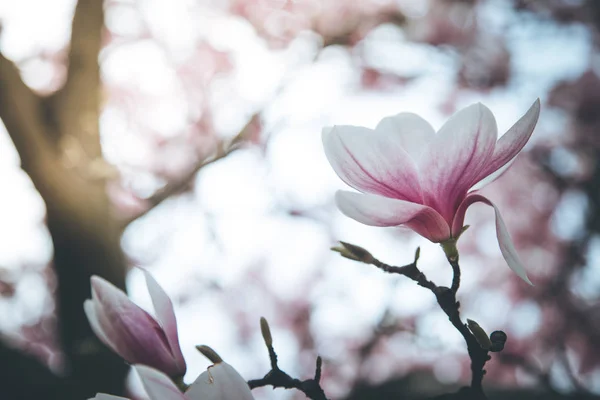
(326, 132)
(536, 106)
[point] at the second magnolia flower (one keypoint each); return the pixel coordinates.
(131, 332)
(410, 175)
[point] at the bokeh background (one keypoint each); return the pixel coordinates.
(185, 137)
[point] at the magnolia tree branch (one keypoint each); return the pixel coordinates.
(21, 112)
(279, 379)
(478, 343)
(178, 185)
(77, 104)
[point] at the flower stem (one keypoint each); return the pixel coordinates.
(455, 275)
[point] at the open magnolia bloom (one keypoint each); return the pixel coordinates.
(131, 332)
(410, 175)
(220, 382)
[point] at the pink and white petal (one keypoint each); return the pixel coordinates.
(158, 386)
(453, 162)
(372, 162)
(411, 131)
(137, 336)
(219, 382)
(376, 210)
(103, 396)
(166, 317)
(103, 326)
(513, 141)
(92, 316)
(507, 248)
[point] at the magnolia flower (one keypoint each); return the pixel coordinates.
(409, 175)
(131, 332)
(219, 382)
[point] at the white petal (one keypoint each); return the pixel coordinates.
(102, 396)
(507, 248)
(219, 382)
(513, 141)
(376, 210)
(158, 386)
(166, 317)
(412, 132)
(90, 311)
(453, 162)
(372, 162)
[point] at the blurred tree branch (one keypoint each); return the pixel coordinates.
(77, 104)
(179, 185)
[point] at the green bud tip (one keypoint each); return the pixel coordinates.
(266, 332)
(210, 354)
(449, 247)
(345, 253)
(482, 338)
(356, 253)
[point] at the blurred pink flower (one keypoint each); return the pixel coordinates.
(411, 176)
(220, 382)
(131, 332)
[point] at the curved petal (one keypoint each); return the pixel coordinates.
(103, 396)
(158, 386)
(507, 248)
(91, 309)
(219, 382)
(513, 141)
(139, 338)
(411, 132)
(493, 176)
(166, 317)
(372, 162)
(453, 162)
(376, 210)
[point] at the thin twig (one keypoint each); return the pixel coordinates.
(455, 275)
(278, 378)
(178, 185)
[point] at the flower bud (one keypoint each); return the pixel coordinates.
(354, 252)
(498, 339)
(131, 332)
(266, 332)
(480, 335)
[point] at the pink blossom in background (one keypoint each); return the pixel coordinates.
(131, 332)
(282, 21)
(411, 176)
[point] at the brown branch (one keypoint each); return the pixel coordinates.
(446, 298)
(20, 110)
